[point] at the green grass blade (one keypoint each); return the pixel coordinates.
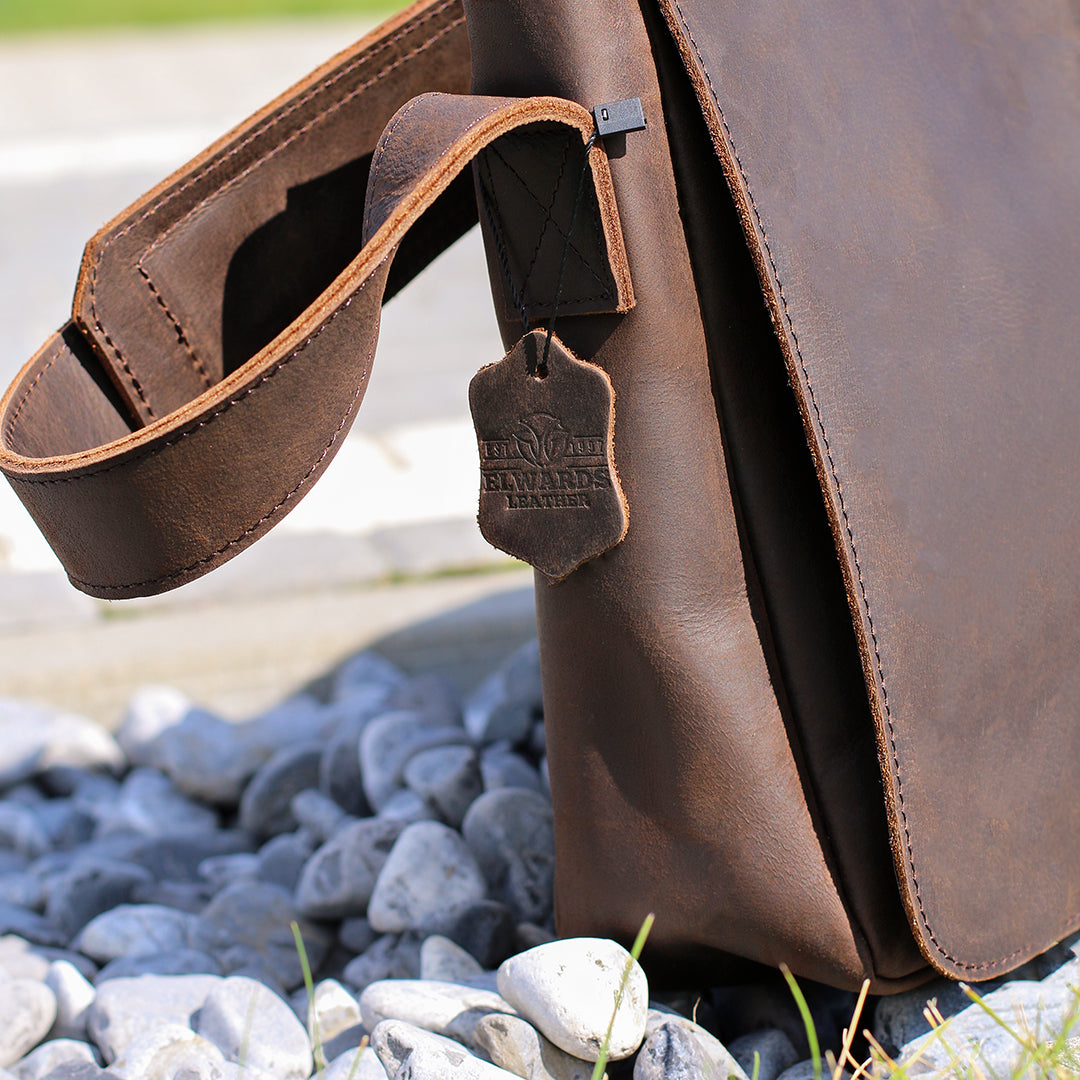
(807, 1019)
(635, 953)
(309, 986)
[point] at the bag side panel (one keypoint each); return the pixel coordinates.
(674, 784)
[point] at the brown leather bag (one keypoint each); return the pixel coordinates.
(819, 705)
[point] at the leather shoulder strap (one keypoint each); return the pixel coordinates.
(146, 449)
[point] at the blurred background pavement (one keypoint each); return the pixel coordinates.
(91, 118)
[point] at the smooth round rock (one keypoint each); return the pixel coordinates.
(390, 740)
(74, 995)
(355, 935)
(430, 869)
(484, 928)
(332, 1010)
(169, 1051)
(567, 990)
(150, 804)
(92, 886)
(775, 1052)
(445, 1008)
(242, 1015)
(266, 805)
(319, 814)
(207, 757)
(512, 834)
(406, 806)
(505, 704)
(149, 712)
(408, 1051)
(678, 1049)
(392, 956)
(515, 1045)
(28, 1009)
(444, 960)
(21, 831)
(134, 930)
(501, 767)
(448, 779)
(50, 1055)
(346, 1066)
(337, 881)
(365, 673)
(282, 860)
(123, 1009)
(247, 926)
(339, 768)
(22, 890)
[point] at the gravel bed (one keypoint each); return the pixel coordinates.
(150, 883)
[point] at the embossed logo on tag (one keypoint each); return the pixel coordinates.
(549, 492)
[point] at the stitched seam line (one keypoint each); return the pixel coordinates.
(549, 215)
(265, 127)
(573, 247)
(847, 525)
(288, 495)
(26, 395)
(224, 407)
(180, 335)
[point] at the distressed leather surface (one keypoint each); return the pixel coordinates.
(908, 179)
(133, 509)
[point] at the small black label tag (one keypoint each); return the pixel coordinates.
(549, 492)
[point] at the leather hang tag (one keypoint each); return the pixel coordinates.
(549, 492)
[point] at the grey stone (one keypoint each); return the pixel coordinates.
(22, 959)
(678, 1049)
(443, 960)
(221, 871)
(67, 824)
(318, 813)
(74, 995)
(505, 705)
(87, 788)
(390, 740)
(444, 1008)
(338, 879)
(48, 1056)
(346, 1067)
(344, 1041)
(149, 712)
(529, 935)
(28, 1009)
(10, 863)
(30, 926)
(207, 757)
(408, 1051)
(567, 990)
(179, 857)
(393, 956)
(79, 1070)
(538, 739)
(339, 768)
(428, 693)
(22, 890)
(406, 807)
(150, 804)
(266, 805)
(515, 1045)
(134, 930)
(366, 673)
(248, 926)
(34, 738)
(242, 1016)
(125, 1008)
(331, 1011)
(429, 870)
(485, 929)
(355, 934)
(501, 767)
(773, 1048)
(282, 860)
(187, 896)
(511, 833)
(804, 1070)
(448, 779)
(21, 831)
(179, 961)
(170, 1052)
(1039, 1009)
(899, 1019)
(89, 887)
